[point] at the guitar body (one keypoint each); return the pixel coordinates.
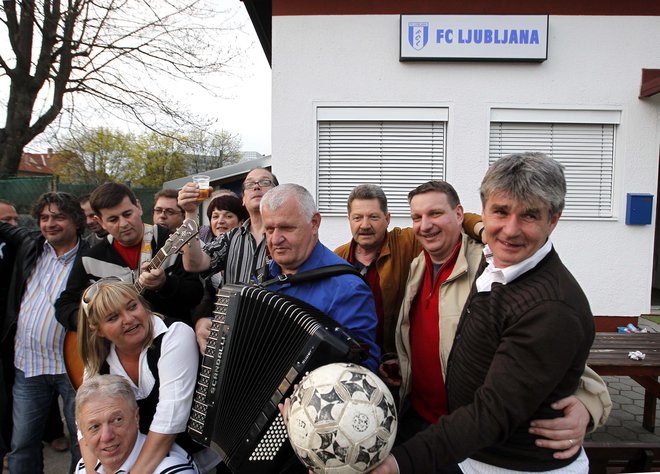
(72, 361)
(75, 367)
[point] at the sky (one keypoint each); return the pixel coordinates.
(242, 104)
(246, 109)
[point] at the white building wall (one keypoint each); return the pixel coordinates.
(593, 63)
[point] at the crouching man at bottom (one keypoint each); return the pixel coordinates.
(107, 416)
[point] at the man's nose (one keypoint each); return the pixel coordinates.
(107, 433)
(276, 237)
(426, 223)
(511, 226)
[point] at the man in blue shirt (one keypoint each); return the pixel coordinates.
(292, 225)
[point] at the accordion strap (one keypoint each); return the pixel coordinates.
(311, 275)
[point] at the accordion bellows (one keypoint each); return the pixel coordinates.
(261, 344)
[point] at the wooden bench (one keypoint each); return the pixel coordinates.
(624, 456)
(609, 356)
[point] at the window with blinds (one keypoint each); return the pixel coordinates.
(395, 154)
(586, 150)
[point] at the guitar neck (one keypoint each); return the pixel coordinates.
(155, 262)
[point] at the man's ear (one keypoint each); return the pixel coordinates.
(460, 212)
(388, 216)
(316, 221)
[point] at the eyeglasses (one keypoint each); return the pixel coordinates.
(167, 211)
(262, 183)
(91, 290)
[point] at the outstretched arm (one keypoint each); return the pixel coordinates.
(194, 259)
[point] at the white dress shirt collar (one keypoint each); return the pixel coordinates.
(492, 274)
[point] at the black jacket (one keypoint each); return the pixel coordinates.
(180, 294)
(28, 246)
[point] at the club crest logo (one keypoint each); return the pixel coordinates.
(418, 34)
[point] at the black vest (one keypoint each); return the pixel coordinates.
(148, 405)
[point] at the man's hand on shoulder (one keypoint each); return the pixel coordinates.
(564, 434)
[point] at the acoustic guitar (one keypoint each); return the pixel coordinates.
(72, 360)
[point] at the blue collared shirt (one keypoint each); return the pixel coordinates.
(345, 298)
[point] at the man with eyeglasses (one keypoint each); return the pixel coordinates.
(44, 260)
(166, 211)
(238, 252)
(126, 254)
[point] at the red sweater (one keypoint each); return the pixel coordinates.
(428, 396)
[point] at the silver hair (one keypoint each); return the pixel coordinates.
(526, 177)
(109, 385)
(276, 197)
(368, 192)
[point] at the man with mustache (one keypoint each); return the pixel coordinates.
(384, 257)
(126, 253)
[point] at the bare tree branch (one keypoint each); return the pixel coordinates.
(111, 51)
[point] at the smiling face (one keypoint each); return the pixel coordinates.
(128, 328)
(436, 225)
(109, 426)
(289, 236)
(58, 228)
(368, 223)
(222, 221)
(123, 222)
(516, 230)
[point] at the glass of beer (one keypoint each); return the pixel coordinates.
(204, 183)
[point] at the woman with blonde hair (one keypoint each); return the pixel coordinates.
(119, 334)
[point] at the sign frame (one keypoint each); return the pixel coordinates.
(503, 38)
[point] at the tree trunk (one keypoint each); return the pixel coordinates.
(11, 151)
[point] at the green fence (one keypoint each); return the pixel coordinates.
(23, 192)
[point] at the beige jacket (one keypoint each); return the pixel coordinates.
(592, 391)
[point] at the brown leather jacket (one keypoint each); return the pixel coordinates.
(393, 265)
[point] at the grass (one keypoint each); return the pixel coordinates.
(651, 317)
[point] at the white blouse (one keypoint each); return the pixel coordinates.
(177, 369)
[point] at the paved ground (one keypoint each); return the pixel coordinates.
(624, 423)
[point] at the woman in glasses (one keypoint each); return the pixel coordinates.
(119, 334)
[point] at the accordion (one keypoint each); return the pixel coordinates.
(261, 344)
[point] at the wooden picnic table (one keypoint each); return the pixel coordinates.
(609, 356)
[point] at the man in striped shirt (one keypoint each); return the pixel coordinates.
(108, 418)
(238, 252)
(43, 261)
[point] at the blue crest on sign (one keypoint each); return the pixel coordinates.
(418, 34)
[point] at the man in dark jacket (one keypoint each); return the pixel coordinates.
(126, 253)
(43, 262)
(7, 214)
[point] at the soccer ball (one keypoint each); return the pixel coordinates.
(342, 419)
